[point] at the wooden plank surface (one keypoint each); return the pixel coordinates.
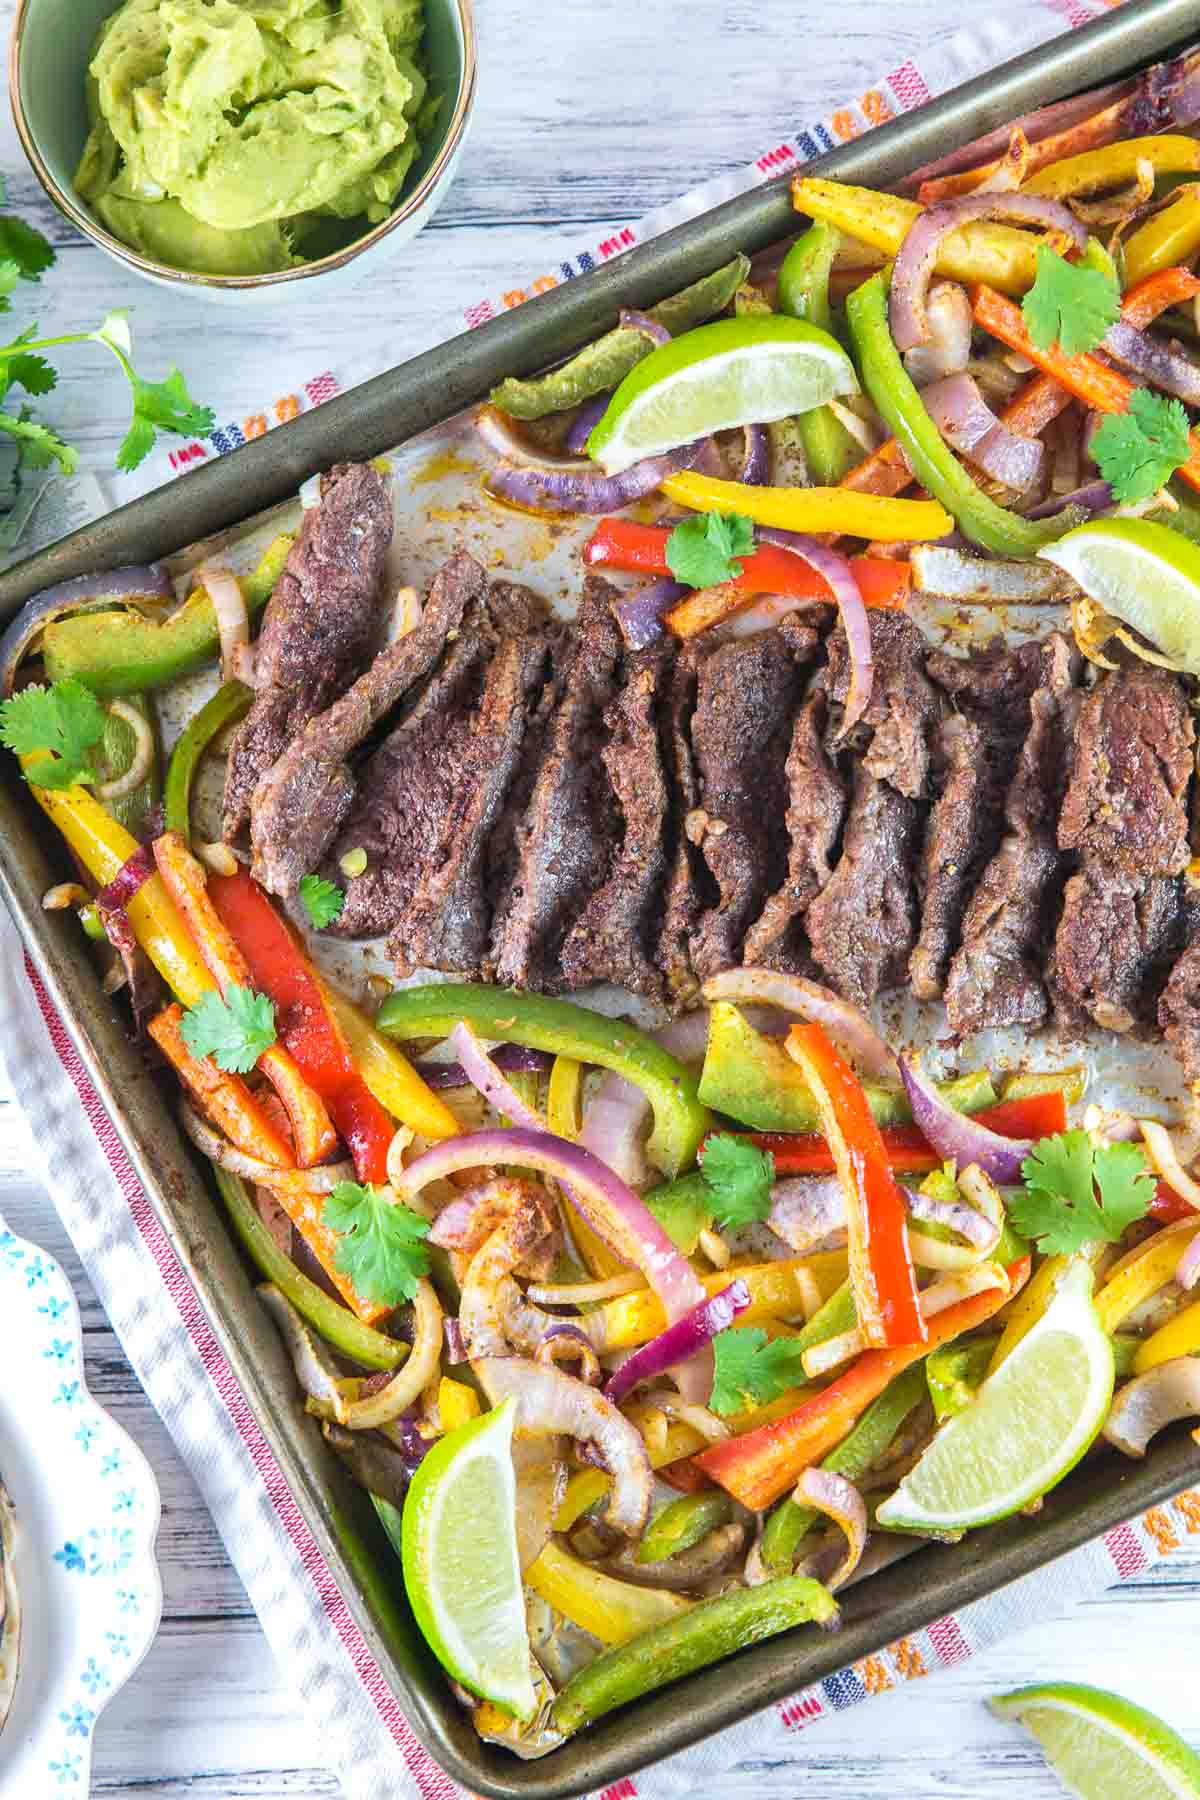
(588, 116)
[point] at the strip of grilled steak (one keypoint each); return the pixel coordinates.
(1114, 944)
(1126, 802)
(613, 938)
(862, 924)
(995, 976)
(318, 627)
(815, 811)
(746, 698)
(904, 705)
(299, 806)
(445, 924)
(563, 844)
(689, 887)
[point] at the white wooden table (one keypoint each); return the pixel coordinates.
(588, 115)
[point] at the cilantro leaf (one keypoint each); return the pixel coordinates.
(234, 1030)
(37, 445)
(1070, 304)
(322, 900)
(66, 718)
(27, 248)
(381, 1251)
(1077, 1193)
(752, 1369)
(160, 406)
(700, 550)
(1137, 451)
(738, 1176)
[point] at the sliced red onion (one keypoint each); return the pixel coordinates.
(756, 457)
(968, 424)
(587, 417)
(456, 1350)
(233, 623)
(810, 1000)
(136, 870)
(957, 1137)
(587, 489)
(807, 1210)
(609, 1205)
(501, 435)
(915, 261)
(513, 1059)
(681, 1340)
(836, 572)
(568, 1343)
(949, 348)
(1046, 122)
(1093, 497)
(138, 582)
(986, 581)
(1188, 1272)
(632, 320)
(840, 1501)
(1153, 1401)
(615, 1118)
(1167, 369)
(484, 1073)
(640, 615)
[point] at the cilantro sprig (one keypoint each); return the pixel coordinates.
(234, 1030)
(66, 719)
(382, 1249)
(322, 900)
(1077, 1192)
(738, 1177)
(1072, 304)
(752, 1369)
(1138, 450)
(702, 549)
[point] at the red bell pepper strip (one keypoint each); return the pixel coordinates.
(303, 1021)
(759, 1466)
(1168, 1207)
(882, 1277)
(908, 1152)
(626, 544)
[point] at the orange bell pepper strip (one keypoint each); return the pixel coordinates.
(882, 1276)
(223, 1098)
(306, 1028)
(1142, 303)
(1093, 133)
(186, 880)
(908, 1152)
(760, 1466)
(1084, 376)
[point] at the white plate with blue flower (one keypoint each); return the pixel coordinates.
(85, 1507)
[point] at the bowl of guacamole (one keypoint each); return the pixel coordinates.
(235, 144)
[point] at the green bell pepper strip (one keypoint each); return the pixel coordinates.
(606, 362)
(122, 652)
(829, 449)
(1125, 1348)
(115, 756)
(710, 1631)
(790, 1523)
(955, 1372)
(933, 463)
(684, 1522)
(93, 924)
(838, 1315)
(563, 1029)
(231, 701)
(327, 1316)
(684, 1208)
(1027, 1084)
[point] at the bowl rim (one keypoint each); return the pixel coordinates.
(71, 207)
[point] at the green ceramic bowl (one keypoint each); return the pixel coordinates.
(51, 44)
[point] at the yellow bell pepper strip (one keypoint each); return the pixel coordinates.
(1145, 1270)
(1179, 1337)
(933, 462)
(776, 1291)
(814, 509)
(122, 652)
(1093, 170)
(386, 1070)
(563, 1029)
(613, 1611)
(327, 1316)
(563, 1096)
(979, 251)
(712, 1630)
(762, 1465)
(221, 1097)
(230, 702)
(882, 1275)
(1170, 237)
(1029, 1305)
(456, 1403)
(829, 450)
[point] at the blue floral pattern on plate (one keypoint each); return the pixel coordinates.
(87, 1509)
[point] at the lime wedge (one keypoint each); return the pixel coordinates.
(1145, 574)
(461, 1570)
(1026, 1428)
(1101, 1746)
(746, 371)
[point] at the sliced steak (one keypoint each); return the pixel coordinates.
(1179, 1003)
(309, 792)
(446, 922)
(993, 684)
(1127, 798)
(815, 810)
(1114, 942)
(995, 976)
(893, 735)
(563, 844)
(689, 887)
(862, 925)
(746, 698)
(614, 937)
(318, 628)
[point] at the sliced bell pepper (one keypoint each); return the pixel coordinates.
(627, 544)
(978, 251)
(804, 275)
(882, 1275)
(682, 1523)
(1145, 299)
(776, 1292)
(1090, 133)
(1143, 1272)
(1180, 1336)
(1096, 383)
(231, 701)
(760, 1466)
(1093, 170)
(1168, 1207)
(115, 754)
(613, 1611)
(223, 1098)
(456, 1403)
(814, 509)
(1171, 236)
(908, 1152)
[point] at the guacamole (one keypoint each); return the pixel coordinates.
(240, 137)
